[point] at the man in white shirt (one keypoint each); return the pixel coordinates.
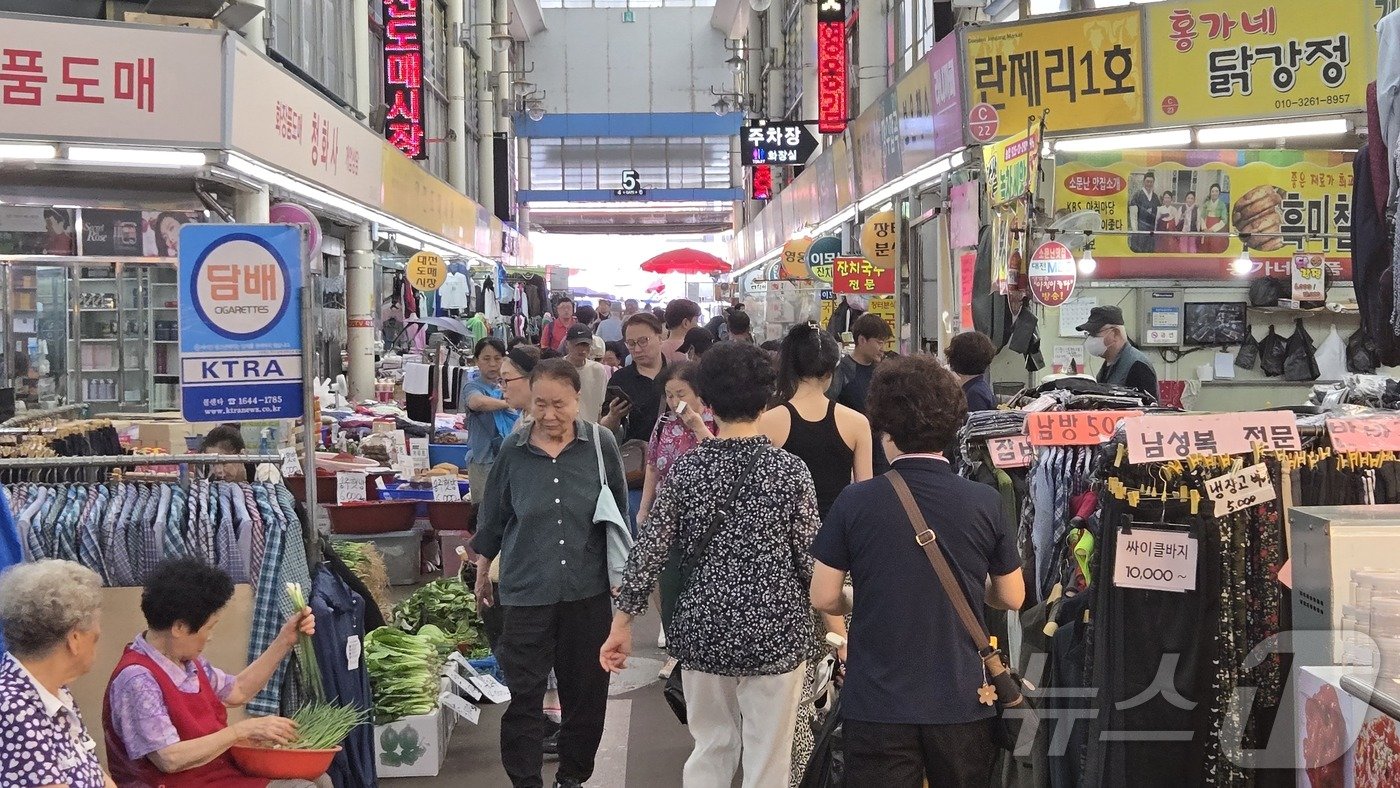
(593, 377)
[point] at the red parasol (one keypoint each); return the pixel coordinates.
(686, 261)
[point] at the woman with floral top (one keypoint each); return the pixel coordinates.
(685, 423)
(742, 625)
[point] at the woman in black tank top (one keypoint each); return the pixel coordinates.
(820, 445)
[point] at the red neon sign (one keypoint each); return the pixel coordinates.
(405, 120)
(832, 90)
(762, 182)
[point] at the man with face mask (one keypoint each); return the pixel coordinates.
(1124, 365)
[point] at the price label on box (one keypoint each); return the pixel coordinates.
(445, 489)
(464, 684)
(418, 451)
(494, 690)
(461, 707)
(350, 486)
(1241, 490)
(291, 466)
(1155, 560)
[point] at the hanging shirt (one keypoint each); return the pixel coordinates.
(454, 292)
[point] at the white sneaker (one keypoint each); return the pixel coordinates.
(661, 639)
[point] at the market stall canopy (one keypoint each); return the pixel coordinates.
(686, 261)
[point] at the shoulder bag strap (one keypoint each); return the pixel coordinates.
(928, 541)
(598, 449)
(718, 519)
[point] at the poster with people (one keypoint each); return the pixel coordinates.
(161, 231)
(1190, 213)
(37, 230)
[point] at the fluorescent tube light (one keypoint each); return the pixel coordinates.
(1272, 131)
(143, 156)
(1169, 138)
(17, 150)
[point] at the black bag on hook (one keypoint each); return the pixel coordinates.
(1248, 357)
(1273, 349)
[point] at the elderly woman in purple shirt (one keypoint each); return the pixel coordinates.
(50, 614)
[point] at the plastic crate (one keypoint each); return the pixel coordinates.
(490, 667)
(422, 495)
(452, 515)
(459, 454)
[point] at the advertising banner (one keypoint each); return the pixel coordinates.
(1008, 166)
(240, 322)
(1281, 202)
(1222, 60)
(857, 276)
(1086, 69)
(947, 97)
(1052, 274)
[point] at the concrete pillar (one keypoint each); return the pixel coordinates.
(252, 207)
(255, 32)
(364, 80)
(456, 97)
(359, 306)
(486, 112)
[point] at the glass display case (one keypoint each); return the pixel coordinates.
(36, 359)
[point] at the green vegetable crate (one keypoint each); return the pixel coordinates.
(414, 746)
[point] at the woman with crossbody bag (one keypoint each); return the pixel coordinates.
(743, 514)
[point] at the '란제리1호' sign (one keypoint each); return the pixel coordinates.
(1086, 69)
(1183, 214)
(405, 121)
(1220, 60)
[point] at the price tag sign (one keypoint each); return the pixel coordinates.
(1013, 452)
(445, 489)
(1155, 560)
(1241, 490)
(291, 466)
(1075, 428)
(1308, 281)
(1160, 438)
(353, 650)
(418, 452)
(495, 691)
(464, 684)
(398, 446)
(1369, 433)
(349, 486)
(461, 707)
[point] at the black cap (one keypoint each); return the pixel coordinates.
(579, 333)
(698, 339)
(1101, 316)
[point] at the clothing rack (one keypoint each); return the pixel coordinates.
(138, 460)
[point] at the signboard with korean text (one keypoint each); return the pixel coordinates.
(1283, 201)
(110, 83)
(1009, 166)
(832, 64)
(858, 276)
(240, 322)
(1214, 61)
(794, 258)
(1052, 273)
(1013, 452)
(1365, 433)
(1086, 69)
(1240, 489)
(1156, 560)
(426, 271)
(1076, 427)
(405, 120)
(1308, 277)
(875, 135)
(1176, 437)
(947, 112)
(821, 257)
(885, 308)
(879, 240)
(762, 183)
(780, 142)
(913, 97)
(413, 194)
(283, 122)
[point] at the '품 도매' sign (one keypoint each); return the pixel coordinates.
(1160, 438)
(1241, 489)
(1075, 428)
(1156, 560)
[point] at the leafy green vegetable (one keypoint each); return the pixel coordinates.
(323, 726)
(403, 674)
(306, 652)
(449, 607)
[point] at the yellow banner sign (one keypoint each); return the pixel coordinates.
(1189, 214)
(1009, 166)
(1087, 70)
(1218, 60)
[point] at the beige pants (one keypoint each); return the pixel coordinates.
(741, 721)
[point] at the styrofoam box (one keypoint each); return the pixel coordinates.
(413, 746)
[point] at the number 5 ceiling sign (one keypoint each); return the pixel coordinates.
(405, 118)
(832, 91)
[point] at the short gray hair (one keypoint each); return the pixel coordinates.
(43, 601)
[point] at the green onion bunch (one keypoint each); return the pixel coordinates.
(403, 674)
(306, 652)
(323, 726)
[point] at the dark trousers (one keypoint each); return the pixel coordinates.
(567, 638)
(902, 756)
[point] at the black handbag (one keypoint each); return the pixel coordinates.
(1014, 709)
(674, 691)
(827, 766)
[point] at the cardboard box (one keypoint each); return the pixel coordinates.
(413, 746)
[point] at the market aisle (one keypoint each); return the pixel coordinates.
(643, 745)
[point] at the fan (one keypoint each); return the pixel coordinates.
(1070, 229)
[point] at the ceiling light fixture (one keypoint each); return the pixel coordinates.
(1147, 139)
(1272, 131)
(1243, 265)
(721, 107)
(16, 150)
(1087, 263)
(150, 157)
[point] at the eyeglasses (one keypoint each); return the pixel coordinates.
(505, 379)
(638, 344)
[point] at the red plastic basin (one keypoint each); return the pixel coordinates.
(275, 764)
(372, 517)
